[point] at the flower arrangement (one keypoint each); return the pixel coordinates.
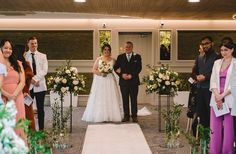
(105, 68)
(161, 80)
(9, 141)
(66, 79)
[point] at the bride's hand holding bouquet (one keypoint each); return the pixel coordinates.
(105, 68)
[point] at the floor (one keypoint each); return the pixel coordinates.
(148, 124)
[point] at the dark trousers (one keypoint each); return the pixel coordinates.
(39, 96)
(203, 108)
(235, 134)
(132, 93)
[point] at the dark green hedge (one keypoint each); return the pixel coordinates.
(57, 44)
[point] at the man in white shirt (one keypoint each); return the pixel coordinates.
(38, 88)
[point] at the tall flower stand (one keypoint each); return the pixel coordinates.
(160, 96)
(70, 112)
(60, 142)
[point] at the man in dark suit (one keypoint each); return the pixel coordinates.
(128, 66)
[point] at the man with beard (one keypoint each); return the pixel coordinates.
(203, 74)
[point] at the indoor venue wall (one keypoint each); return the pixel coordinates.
(121, 25)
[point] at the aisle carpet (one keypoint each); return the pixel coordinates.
(115, 139)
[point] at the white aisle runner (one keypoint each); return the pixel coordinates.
(115, 139)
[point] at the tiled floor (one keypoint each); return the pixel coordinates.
(148, 124)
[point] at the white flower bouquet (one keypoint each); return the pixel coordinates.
(105, 68)
(10, 143)
(161, 80)
(66, 79)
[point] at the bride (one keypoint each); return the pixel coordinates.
(105, 98)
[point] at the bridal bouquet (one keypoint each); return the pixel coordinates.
(105, 68)
(161, 80)
(66, 79)
(9, 141)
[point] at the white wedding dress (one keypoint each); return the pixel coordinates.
(104, 103)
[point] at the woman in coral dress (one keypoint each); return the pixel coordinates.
(14, 82)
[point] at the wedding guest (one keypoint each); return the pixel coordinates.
(222, 137)
(193, 91)
(3, 72)
(204, 69)
(14, 82)
(128, 66)
(19, 51)
(39, 64)
(105, 98)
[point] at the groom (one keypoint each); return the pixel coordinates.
(128, 66)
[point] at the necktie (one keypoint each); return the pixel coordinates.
(33, 64)
(128, 57)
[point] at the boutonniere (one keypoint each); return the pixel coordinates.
(134, 54)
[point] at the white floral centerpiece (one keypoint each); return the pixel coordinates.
(10, 143)
(161, 80)
(66, 79)
(105, 68)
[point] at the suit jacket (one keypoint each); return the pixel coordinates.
(215, 81)
(133, 67)
(233, 89)
(41, 70)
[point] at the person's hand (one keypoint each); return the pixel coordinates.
(219, 104)
(125, 76)
(200, 77)
(36, 84)
(129, 76)
(218, 97)
(118, 70)
(12, 97)
(33, 81)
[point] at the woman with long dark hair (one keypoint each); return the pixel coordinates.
(14, 82)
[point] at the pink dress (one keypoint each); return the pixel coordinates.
(10, 83)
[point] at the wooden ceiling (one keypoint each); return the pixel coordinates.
(151, 9)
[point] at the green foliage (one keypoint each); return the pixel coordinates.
(185, 85)
(59, 124)
(165, 38)
(39, 143)
(37, 140)
(204, 136)
(57, 44)
(192, 140)
(202, 139)
(171, 118)
(105, 37)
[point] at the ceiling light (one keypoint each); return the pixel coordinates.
(193, 1)
(80, 1)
